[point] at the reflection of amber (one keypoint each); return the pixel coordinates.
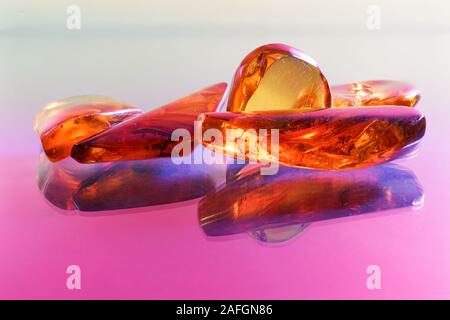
(298, 196)
(278, 77)
(330, 139)
(118, 185)
(274, 234)
(63, 123)
(374, 93)
(149, 135)
(58, 181)
(142, 183)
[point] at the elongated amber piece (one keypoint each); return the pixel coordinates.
(374, 93)
(63, 123)
(278, 77)
(294, 197)
(331, 139)
(149, 135)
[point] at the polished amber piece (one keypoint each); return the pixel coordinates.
(149, 135)
(266, 206)
(278, 77)
(330, 139)
(375, 93)
(63, 123)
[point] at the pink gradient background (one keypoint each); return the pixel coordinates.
(161, 252)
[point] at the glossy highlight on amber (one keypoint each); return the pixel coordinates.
(278, 77)
(331, 139)
(63, 123)
(375, 93)
(149, 135)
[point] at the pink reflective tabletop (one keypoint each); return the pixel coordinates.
(163, 250)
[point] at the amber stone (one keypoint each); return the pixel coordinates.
(149, 135)
(331, 139)
(375, 93)
(278, 77)
(63, 123)
(266, 206)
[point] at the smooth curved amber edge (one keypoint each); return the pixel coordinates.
(63, 123)
(253, 68)
(330, 139)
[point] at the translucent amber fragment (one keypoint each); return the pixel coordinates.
(63, 123)
(330, 139)
(267, 206)
(375, 93)
(278, 77)
(149, 135)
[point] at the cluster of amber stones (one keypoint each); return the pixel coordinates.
(276, 87)
(85, 126)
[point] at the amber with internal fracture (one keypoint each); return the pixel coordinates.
(278, 77)
(331, 139)
(374, 93)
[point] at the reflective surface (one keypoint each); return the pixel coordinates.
(120, 185)
(298, 197)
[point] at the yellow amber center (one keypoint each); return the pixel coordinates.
(289, 83)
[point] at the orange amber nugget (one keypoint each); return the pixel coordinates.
(375, 93)
(330, 139)
(63, 123)
(149, 135)
(278, 77)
